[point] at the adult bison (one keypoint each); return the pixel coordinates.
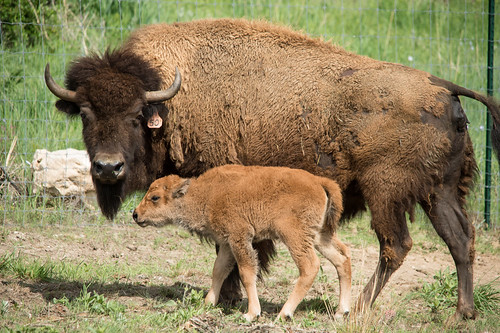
(258, 94)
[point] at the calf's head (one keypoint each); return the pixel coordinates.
(159, 206)
(115, 96)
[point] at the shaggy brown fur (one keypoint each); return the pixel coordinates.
(258, 94)
(236, 205)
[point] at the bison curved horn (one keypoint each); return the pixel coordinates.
(163, 95)
(64, 94)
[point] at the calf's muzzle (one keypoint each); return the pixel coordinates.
(135, 216)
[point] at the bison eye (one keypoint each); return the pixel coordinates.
(84, 111)
(155, 198)
(137, 120)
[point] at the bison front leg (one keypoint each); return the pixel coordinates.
(395, 243)
(458, 233)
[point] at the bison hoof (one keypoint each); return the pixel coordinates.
(467, 314)
(462, 315)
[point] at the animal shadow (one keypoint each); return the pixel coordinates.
(57, 289)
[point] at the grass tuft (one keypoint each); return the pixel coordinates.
(487, 298)
(92, 302)
(441, 294)
(35, 270)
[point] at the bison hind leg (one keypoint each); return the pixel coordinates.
(230, 292)
(452, 225)
(395, 243)
(246, 258)
(303, 254)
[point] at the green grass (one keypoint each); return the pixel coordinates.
(92, 303)
(92, 309)
(441, 294)
(164, 289)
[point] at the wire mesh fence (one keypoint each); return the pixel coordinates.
(446, 38)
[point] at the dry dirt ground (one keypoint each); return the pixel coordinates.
(159, 252)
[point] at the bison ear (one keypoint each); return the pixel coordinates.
(181, 190)
(69, 108)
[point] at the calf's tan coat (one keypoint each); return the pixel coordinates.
(236, 205)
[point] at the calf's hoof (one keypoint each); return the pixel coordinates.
(282, 317)
(210, 300)
(250, 316)
(341, 315)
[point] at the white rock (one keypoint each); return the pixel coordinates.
(63, 173)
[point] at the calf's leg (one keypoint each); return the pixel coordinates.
(246, 258)
(308, 263)
(230, 291)
(223, 264)
(340, 256)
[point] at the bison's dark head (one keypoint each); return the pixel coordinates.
(115, 95)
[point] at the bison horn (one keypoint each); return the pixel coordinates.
(163, 95)
(64, 94)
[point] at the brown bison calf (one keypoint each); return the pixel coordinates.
(236, 206)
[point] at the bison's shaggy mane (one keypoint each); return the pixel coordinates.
(118, 61)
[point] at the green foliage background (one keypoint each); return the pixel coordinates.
(445, 38)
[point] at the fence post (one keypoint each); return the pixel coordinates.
(489, 89)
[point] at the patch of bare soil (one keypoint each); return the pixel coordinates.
(130, 245)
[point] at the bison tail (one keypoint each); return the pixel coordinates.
(494, 110)
(334, 205)
(492, 105)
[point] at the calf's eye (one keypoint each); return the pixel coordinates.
(155, 198)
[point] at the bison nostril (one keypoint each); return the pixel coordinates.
(119, 167)
(98, 167)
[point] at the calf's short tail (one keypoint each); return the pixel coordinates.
(334, 205)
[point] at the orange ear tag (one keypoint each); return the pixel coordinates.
(155, 121)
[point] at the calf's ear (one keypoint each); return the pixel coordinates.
(181, 189)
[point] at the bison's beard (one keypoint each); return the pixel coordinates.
(109, 197)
